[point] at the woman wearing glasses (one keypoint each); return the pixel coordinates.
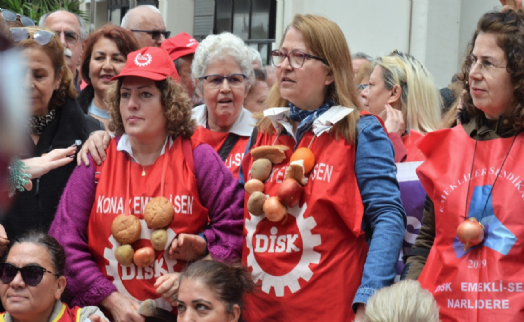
(473, 174)
(57, 122)
(315, 264)
(105, 55)
(402, 92)
(33, 281)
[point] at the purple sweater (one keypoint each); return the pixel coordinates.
(219, 192)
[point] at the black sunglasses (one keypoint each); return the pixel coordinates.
(8, 15)
(42, 37)
(155, 34)
(31, 274)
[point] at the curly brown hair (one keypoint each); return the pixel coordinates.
(176, 103)
(508, 27)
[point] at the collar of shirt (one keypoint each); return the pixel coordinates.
(243, 126)
(125, 145)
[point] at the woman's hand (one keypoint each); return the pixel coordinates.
(39, 166)
(511, 5)
(96, 145)
(187, 247)
(361, 311)
(167, 286)
(394, 120)
(122, 308)
(3, 240)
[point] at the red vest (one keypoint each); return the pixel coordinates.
(310, 267)
(487, 282)
(410, 141)
(216, 140)
(65, 315)
(179, 186)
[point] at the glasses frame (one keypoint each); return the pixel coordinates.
(23, 19)
(471, 62)
(223, 77)
(166, 33)
(59, 34)
(36, 35)
(21, 270)
(306, 55)
(362, 86)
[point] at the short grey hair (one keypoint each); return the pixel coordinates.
(362, 55)
(81, 21)
(255, 56)
(404, 301)
(127, 17)
(222, 46)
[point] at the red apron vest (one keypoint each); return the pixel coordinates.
(216, 140)
(180, 187)
(410, 141)
(309, 268)
(485, 283)
(65, 315)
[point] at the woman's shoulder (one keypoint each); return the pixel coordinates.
(369, 123)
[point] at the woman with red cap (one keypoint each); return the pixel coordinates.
(152, 156)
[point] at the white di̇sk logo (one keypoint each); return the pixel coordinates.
(302, 270)
(112, 268)
(192, 42)
(143, 60)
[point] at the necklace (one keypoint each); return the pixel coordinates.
(147, 165)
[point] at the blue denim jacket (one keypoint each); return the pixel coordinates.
(384, 215)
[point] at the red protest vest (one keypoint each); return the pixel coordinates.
(487, 282)
(410, 141)
(179, 186)
(65, 315)
(310, 267)
(216, 140)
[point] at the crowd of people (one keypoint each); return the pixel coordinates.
(160, 178)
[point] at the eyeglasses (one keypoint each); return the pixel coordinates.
(70, 37)
(31, 274)
(8, 15)
(42, 37)
(484, 65)
(234, 80)
(296, 58)
(155, 34)
(362, 86)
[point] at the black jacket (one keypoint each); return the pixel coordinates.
(85, 97)
(36, 209)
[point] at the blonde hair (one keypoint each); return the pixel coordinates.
(325, 39)
(420, 100)
(405, 301)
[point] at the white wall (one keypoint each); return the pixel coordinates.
(178, 15)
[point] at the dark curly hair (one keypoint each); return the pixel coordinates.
(176, 103)
(508, 27)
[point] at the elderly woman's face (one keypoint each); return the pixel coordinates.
(23, 301)
(490, 87)
(141, 108)
(196, 303)
(106, 61)
(41, 80)
(223, 101)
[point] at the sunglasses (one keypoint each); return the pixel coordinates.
(8, 15)
(31, 274)
(42, 37)
(155, 34)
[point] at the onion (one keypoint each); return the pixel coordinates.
(470, 233)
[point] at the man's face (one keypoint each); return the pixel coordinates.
(66, 23)
(148, 20)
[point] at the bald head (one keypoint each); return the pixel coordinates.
(146, 18)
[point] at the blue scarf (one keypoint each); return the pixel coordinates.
(307, 118)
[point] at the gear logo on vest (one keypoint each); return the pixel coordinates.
(143, 60)
(496, 235)
(290, 244)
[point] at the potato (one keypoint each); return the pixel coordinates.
(261, 169)
(255, 203)
(159, 213)
(254, 185)
(126, 229)
(144, 257)
(147, 308)
(124, 254)
(159, 239)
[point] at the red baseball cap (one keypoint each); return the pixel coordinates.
(180, 45)
(149, 62)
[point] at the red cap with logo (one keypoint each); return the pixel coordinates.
(180, 45)
(149, 62)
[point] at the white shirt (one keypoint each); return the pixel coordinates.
(125, 145)
(243, 126)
